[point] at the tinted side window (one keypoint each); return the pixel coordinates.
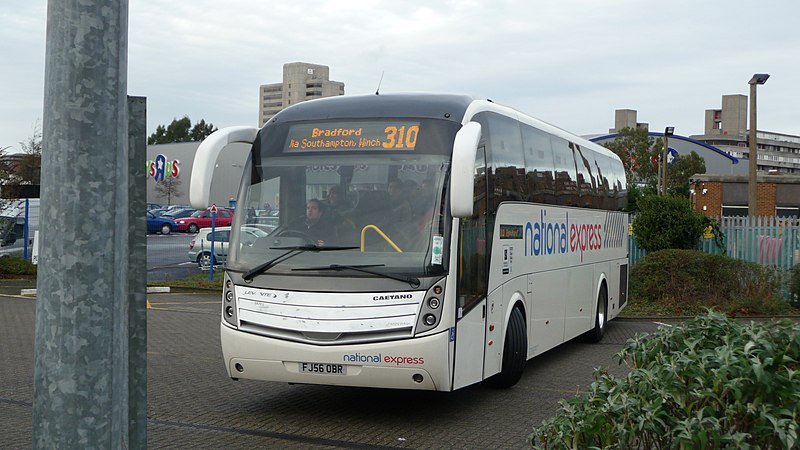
(587, 185)
(507, 160)
(605, 182)
(566, 185)
(620, 185)
(539, 177)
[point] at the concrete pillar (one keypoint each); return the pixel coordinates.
(88, 390)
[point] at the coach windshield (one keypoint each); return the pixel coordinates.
(365, 197)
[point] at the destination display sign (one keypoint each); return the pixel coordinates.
(352, 136)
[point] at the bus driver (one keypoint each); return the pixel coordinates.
(315, 224)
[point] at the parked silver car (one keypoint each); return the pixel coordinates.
(200, 246)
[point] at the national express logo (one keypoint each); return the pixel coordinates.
(161, 168)
(559, 237)
(386, 359)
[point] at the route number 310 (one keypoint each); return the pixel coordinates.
(401, 137)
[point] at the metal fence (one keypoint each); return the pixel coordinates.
(770, 241)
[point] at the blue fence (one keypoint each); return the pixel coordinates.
(770, 241)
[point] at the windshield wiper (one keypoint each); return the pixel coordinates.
(413, 282)
(291, 251)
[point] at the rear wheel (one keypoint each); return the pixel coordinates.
(515, 352)
(600, 318)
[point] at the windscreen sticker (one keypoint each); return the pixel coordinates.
(437, 246)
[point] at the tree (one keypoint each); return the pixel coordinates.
(638, 152)
(681, 170)
(181, 130)
(168, 188)
(29, 168)
(201, 130)
(20, 174)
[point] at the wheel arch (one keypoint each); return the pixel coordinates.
(516, 301)
(602, 280)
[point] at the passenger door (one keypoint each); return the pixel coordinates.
(472, 279)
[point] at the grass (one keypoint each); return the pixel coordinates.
(197, 281)
(15, 267)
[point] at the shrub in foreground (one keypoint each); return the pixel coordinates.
(685, 282)
(711, 382)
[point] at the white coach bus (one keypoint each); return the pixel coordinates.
(458, 238)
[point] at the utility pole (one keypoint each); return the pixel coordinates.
(668, 131)
(89, 362)
(752, 185)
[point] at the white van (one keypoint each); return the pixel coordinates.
(12, 220)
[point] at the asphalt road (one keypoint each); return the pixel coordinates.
(192, 403)
(167, 258)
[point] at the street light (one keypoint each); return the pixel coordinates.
(668, 131)
(752, 188)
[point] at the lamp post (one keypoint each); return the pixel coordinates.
(752, 187)
(668, 131)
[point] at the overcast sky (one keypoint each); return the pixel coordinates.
(568, 62)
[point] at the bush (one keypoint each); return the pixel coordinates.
(14, 266)
(709, 383)
(794, 286)
(667, 222)
(686, 282)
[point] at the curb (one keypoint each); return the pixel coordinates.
(150, 290)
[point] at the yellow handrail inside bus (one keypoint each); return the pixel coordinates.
(380, 233)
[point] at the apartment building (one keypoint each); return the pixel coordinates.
(301, 82)
(726, 129)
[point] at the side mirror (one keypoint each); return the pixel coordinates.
(206, 158)
(462, 170)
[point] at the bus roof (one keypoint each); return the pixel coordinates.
(422, 105)
(418, 105)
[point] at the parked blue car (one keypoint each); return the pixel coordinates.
(157, 224)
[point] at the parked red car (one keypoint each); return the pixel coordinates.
(202, 219)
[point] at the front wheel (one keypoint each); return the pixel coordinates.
(204, 260)
(166, 229)
(193, 228)
(515, 352)
(600, 318)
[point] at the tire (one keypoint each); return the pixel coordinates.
(193, 228)
(204, 260)
(515, 353)
(166, 229)
(600, 317)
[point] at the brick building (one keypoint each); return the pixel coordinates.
(727, 195)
